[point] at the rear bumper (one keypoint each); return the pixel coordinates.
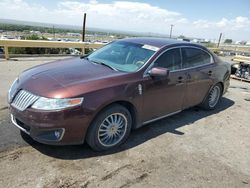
(65, 127)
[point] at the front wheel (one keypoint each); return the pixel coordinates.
(212, 98)
(110, 128)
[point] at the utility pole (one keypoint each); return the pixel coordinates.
(83, 27)
(218, 45)
(54, 34)
(171, 29)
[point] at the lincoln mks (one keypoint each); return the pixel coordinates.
(102, 96)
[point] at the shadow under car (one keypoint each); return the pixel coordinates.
(137, 137)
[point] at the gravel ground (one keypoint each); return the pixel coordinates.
(194, 148)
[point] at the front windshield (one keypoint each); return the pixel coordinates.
(123, 56)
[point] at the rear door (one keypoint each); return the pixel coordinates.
(199, 68)
(163, 96)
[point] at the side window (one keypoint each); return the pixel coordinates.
(194, 57)
(171, 60)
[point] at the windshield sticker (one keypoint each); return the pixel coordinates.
(149, 47)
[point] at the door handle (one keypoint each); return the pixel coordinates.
(210, 73)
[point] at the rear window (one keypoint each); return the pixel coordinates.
(193, 57)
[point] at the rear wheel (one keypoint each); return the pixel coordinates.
(213, 97)
(110, 128)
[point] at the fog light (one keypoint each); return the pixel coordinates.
(52, 135)
(57, 134)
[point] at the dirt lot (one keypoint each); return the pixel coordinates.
(194, 148)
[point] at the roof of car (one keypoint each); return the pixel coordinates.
(157, 42)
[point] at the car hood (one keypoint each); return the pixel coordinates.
(61, 78)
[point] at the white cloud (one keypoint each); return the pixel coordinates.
(19, 8)
(241, 22)
(223, 22)
(237, 28)
(125, 15)
(121, 15)
(202, 24)
(232, 24)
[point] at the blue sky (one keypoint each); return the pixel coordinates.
(193, 9)
(192, 18)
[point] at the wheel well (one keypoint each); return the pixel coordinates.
(131, 108)
(222, 87)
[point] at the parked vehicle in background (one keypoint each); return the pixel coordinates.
(241, 68)
(74, 51)
(119, 87)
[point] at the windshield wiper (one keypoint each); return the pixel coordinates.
(104, 64)
(84, 56)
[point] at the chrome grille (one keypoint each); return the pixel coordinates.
(23, 100)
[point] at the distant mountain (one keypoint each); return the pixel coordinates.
(20, 22)
(74, 27)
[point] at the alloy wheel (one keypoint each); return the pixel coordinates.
(214, 96)
(112, 130)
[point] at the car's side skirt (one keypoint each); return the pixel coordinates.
(158, 118)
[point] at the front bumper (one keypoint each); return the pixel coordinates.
(43, 136)
(64, 127)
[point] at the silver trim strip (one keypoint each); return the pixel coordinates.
(63, 131)
(152, 120)
(15, 123)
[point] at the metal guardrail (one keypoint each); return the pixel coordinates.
(235, 48)
(240, 58)
(83, 45)
(45, 44)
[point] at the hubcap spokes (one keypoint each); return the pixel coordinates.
(214, 96)
(112, 129)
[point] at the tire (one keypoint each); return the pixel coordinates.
(213, 98)
(110, 128)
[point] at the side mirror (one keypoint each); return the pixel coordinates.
(159, 72)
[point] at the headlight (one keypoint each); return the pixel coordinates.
(56, 104)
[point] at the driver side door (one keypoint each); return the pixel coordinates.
(164, 95)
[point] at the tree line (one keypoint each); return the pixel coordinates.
(23, 28)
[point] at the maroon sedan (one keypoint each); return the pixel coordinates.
(126, 84)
